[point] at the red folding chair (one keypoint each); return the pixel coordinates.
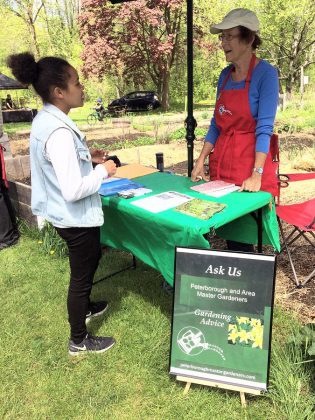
(301, 217)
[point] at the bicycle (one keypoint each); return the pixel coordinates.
(96, 116)
(115, 111)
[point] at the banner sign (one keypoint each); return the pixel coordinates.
(222, 316)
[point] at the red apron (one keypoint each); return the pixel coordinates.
(233, 157)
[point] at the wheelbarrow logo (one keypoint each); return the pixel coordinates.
(191, 341)
(222, 110)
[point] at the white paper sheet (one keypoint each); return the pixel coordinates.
(221, 193)
(160, 202)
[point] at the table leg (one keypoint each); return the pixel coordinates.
(258, 219)
(133, 266)
(259, 233)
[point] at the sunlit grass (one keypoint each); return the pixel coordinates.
(131, 381)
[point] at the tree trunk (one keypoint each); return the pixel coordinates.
(159, 88)
(165, 91)
(289, 85)
(33, 33)
(31, 24)
(47, 25)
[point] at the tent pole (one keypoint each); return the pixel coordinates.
(190, 122)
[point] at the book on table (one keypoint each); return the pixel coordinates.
(114, 186)
(215, 188)
(201, 209)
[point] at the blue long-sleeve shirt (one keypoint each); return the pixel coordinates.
(263, 100)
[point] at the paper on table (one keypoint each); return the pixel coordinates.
(136, 192)
(211, 186)
(224, 191)
(215, 188)
(163, 201)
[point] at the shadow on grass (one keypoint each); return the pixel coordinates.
(143, 281)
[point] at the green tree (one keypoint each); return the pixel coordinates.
(289, 36)
(28, 11)
(14, 36)
(137, 41)
(61, 27)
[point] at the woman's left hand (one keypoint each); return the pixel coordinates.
(98, 156)
(252, 184)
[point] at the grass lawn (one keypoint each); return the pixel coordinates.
(40, 381)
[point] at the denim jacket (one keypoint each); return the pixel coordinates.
(47, 199)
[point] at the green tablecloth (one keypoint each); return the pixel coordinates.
(152, 237)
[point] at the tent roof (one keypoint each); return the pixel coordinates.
(8, 83)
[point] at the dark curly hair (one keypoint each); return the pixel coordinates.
(48, 72)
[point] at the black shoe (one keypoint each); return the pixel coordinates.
(91, 344)
(96, 309)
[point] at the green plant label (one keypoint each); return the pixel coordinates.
(222, 317)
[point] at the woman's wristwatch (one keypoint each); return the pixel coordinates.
(259, 170)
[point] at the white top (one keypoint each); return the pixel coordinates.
(60, 150)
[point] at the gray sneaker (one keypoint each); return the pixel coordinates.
(91, 344)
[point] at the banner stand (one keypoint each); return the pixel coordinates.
(241, 390)
(222, 320)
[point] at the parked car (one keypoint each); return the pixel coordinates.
(136, 101)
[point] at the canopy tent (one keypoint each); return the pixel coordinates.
(6, 83)
(16, 115)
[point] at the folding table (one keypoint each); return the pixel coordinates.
(152, 237)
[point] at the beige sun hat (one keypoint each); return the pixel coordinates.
(237, 17)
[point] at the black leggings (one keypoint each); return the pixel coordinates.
(84, 255)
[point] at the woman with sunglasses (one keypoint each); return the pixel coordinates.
(65, 185)
(239, 142)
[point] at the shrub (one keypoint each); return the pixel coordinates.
(51, 242)
(305, 338)
(180, 133)
(47, 237)
(205, 116)
(142, 127)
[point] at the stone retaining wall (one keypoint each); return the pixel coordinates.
(18, 169)
(20, 195)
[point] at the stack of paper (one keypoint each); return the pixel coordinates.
(215, 188)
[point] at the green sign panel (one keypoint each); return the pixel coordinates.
(222, 317)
